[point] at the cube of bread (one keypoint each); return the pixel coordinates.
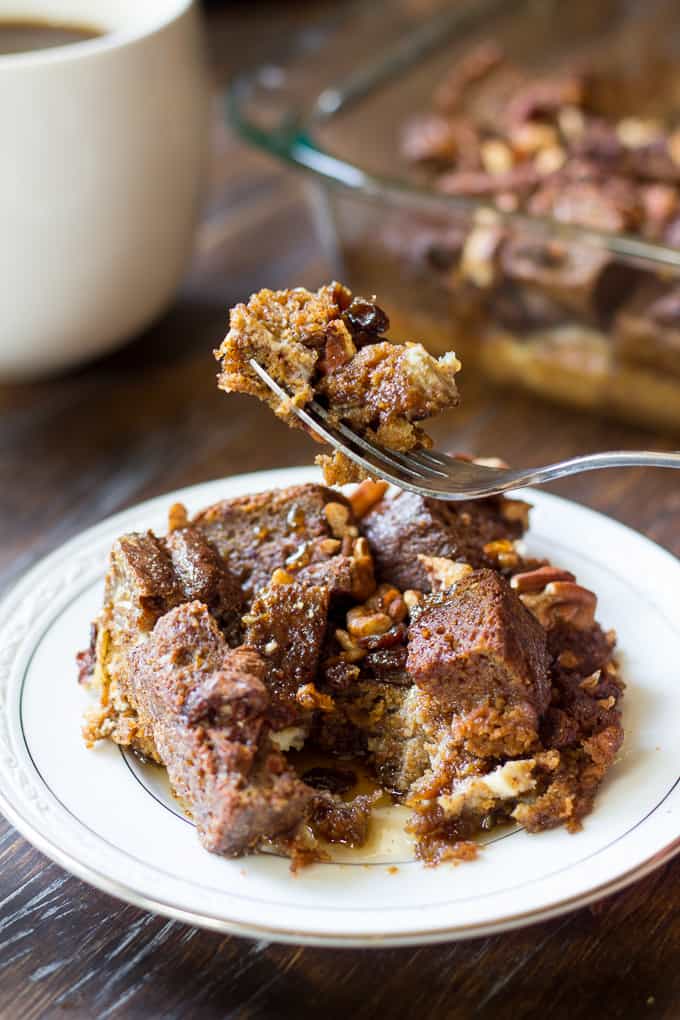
(257, 534)
(286, 625)
(141, 585)
(206, 708)
(147, 577)
(477, 644)
(346, 577)
(405, 526)
(204, 576)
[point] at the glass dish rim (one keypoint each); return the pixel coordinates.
(293, 142)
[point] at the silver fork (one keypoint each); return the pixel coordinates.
(435, 474)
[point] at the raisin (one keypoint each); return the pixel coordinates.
(365, 320)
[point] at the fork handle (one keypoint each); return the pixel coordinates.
(597, 461)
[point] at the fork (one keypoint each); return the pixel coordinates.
(435, 474)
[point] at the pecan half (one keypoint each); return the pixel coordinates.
(562, 601)
(536, 580)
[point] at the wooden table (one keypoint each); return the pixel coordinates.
(150, 419)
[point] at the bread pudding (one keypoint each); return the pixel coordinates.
(475, 684)
(381, 630)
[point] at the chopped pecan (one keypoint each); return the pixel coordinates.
(352, 652)
(366, 495)
(571, 122)
(478, 261)
(178, 517)
(634, 132)
(361, 622)
(514, 510)
(549, 161)
(429, 138)
(308, 697)
(497, 157)
(388, 599)
(442, 572)
(361, 549)
(503, 553)
(591, 683)
(328, 546)
(362, 571)
(282, 577)
(378, 614)
(412, 597)
(531, 136)
(338, 515)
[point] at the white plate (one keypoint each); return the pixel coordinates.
(115, 826)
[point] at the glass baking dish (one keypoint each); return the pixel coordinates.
(584, 316)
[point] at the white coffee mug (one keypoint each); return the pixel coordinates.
(101, 151)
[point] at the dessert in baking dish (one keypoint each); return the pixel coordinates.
(586, 147)
(544, 256)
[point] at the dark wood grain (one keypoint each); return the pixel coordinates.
(149, 419)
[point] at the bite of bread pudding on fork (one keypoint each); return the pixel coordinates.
(330, 346)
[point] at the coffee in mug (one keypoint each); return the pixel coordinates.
(19, 35)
